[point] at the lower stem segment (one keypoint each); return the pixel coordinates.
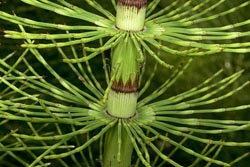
(117, 155)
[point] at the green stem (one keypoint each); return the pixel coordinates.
(124, 102)
(118, 149)
(122, 98)
(131, 14)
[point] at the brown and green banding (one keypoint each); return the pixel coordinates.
(128, 87)
(133, 3)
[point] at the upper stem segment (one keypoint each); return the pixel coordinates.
(122, 98)
(131, 14)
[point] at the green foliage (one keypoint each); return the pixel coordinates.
(53, 111)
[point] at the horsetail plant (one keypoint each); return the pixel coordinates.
(48, 120)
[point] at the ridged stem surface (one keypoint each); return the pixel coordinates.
(122, 98)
